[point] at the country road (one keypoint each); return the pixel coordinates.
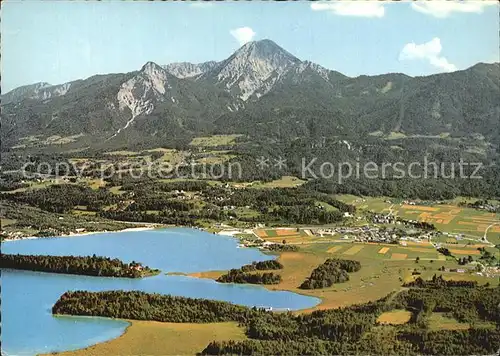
(486, 232)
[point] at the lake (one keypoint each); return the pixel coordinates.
(29, 328)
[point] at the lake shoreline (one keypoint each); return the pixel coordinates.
(129, 322)
(128, 229)
(231, 232)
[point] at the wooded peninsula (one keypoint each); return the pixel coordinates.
(81, 265)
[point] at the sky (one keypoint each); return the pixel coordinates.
(58, 41)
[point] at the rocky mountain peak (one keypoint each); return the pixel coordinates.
(266, 50)
(156, 76)
(37, 91)
(189, 70)
(252, 65)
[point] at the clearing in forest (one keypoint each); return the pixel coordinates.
(395, 317)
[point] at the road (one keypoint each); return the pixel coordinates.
(486, 232)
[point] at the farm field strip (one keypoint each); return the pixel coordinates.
(423, 243)
(420, 249)
(464, 252)
(383, 250)
(399, 256)
(334, 249)
(354, 250)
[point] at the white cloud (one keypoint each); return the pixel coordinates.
(351, 8)
(429, 51)
(201, 4)
(243, 34)
(443, 8)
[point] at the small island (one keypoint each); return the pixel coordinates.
(81, 265)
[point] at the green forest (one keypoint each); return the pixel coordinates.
(439, 282)
(88, 265)
(330, 272)
(152, 201)
(244, 275)
(262, 266)
(238, 276)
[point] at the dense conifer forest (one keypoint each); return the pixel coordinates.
(89, 265)
(262, 266)
(238, 276)
(244, 274)
(439, 282)
(330, 272)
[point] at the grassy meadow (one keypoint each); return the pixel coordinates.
(154, 339)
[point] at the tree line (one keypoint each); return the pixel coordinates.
(238, 276)
(439, 282)
(262, 266)
(282, 248)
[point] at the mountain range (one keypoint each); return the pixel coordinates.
(261, 90)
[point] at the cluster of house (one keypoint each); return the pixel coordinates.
(409, 202)
(372, 234)
(361, 234)
(391, 219)
(489, 207)
(18, 235)
(182, 195)
(490, 272)
(458, 270)
(13, 235)
(136, 266)
(385, 219)
(458, 237)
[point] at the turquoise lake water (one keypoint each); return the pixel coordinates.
(28, 327)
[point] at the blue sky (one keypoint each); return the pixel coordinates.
(59, 41)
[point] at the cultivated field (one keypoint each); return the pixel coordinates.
(290, 235)
(283, 182)
(215, 140)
